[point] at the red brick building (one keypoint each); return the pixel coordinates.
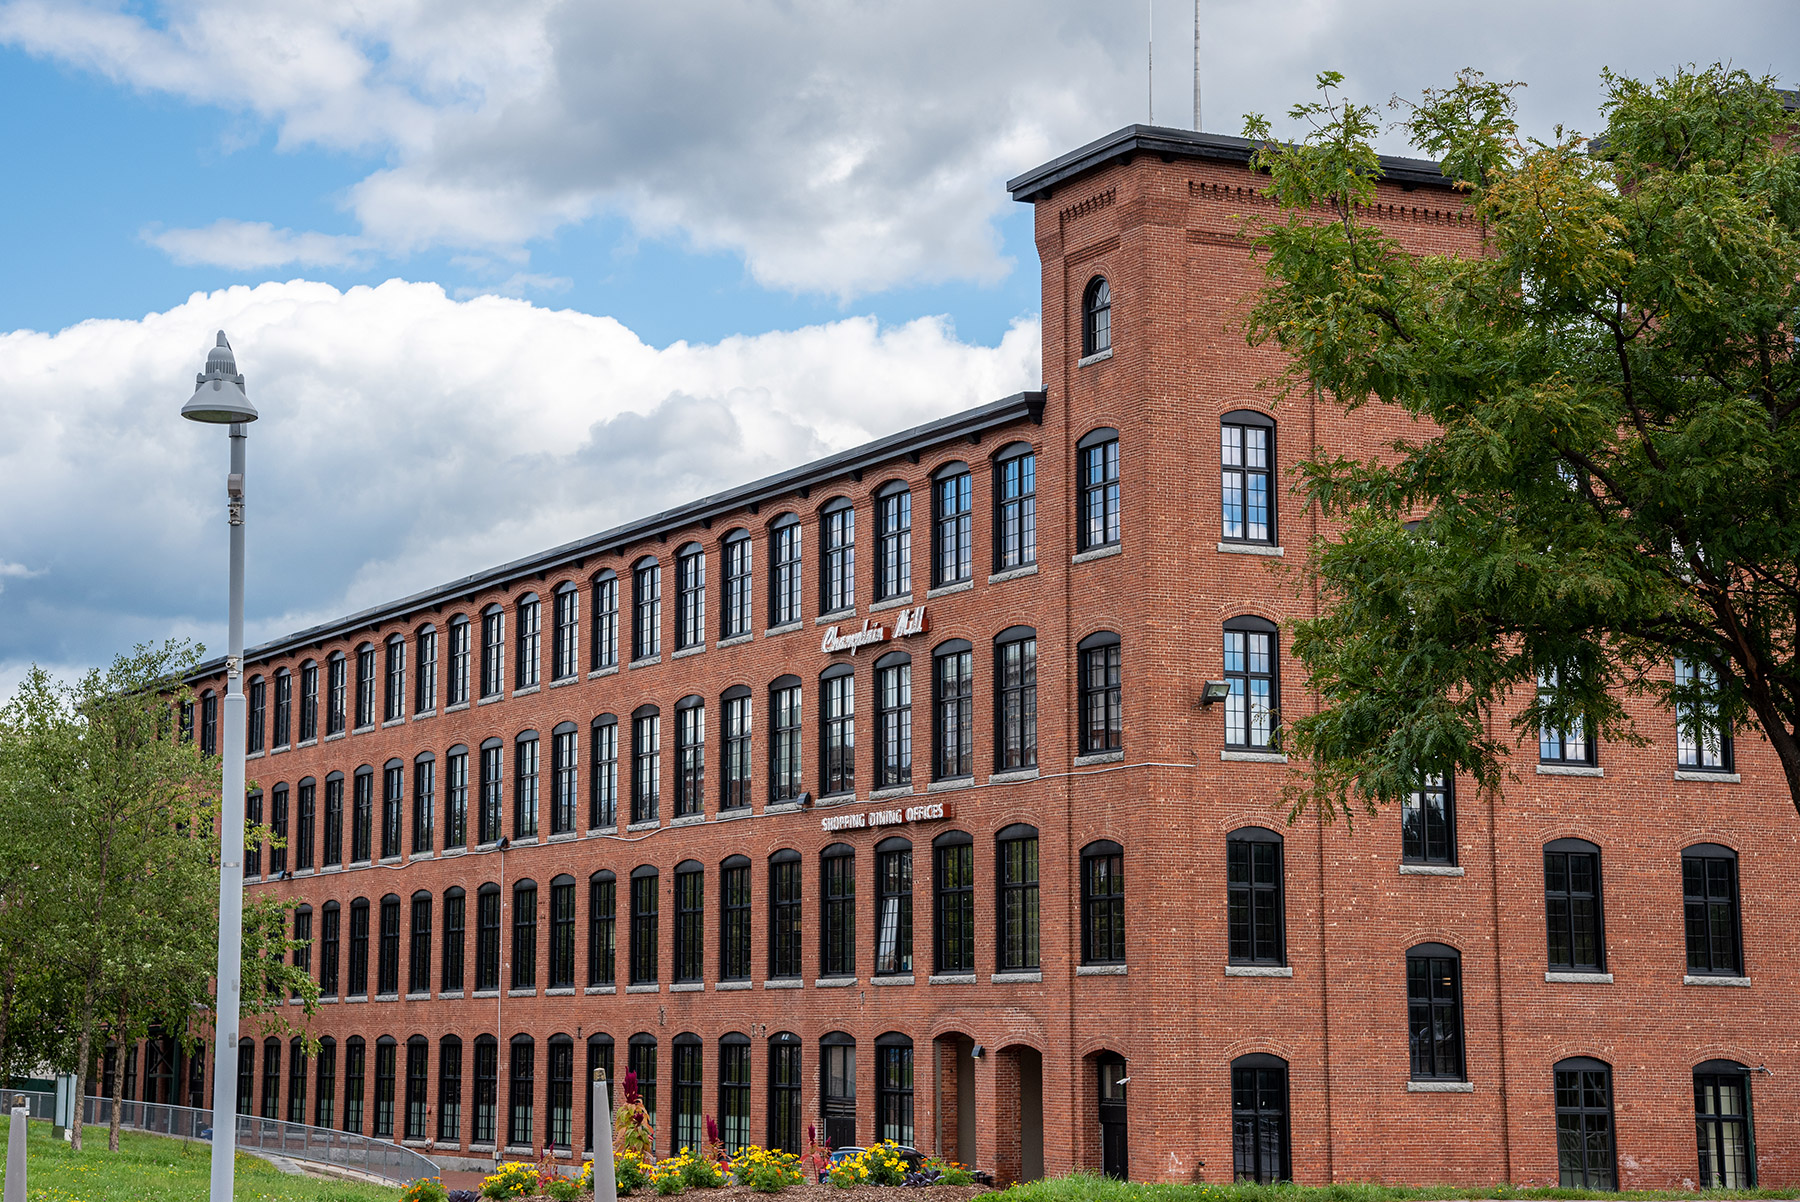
(883, 797)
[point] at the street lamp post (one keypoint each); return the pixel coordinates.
(219, 400)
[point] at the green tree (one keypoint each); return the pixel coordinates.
(1605, 473)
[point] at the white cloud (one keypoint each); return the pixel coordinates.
(406, 439)
(255, 245)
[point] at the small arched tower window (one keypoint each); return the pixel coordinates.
(1096, 317)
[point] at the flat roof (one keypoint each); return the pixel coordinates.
(1021, 406)
(1172, 143)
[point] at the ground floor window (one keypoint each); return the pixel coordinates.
(1584, 1124)
(734, 1093)
(1722, 1119)
(562, 1091)
(838, 1051)
(642, 1061)
(1259, 1119)
(894, 1089)
(518, 1102)
(487, 1089)
(784, 1093)
(687, 1095)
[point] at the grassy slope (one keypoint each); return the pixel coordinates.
(1083, 1188)
(149, 1168)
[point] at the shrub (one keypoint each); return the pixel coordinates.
(585, 1182)
(764, 1171)
(561, 1189)
(630, 1171)
(699, 1172)
(514, 1179)
(668, 1176)
(425, 1189)
(879, 1165)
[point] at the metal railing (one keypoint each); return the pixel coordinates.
(296, 1141)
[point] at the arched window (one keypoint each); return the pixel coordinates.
(487, 938)
(393, 693)
(565, 793)
(894, 1088)
(1434, 1012)
(359, 947)
(365, 686)
(255, 724)
(837, 730)
(271, 1079)
(603, 773)
(209, 723)
(526, 763)
(1252, 669)
(1584, 1124)
(645, 905)
(1097, 479)
(1100, 693)
(690, 596)
(424, 817)
(735, 614)
(561, 1096)
(355, 1071)
(1255, 918)
(1015, 507)
(893, 541)
(735, 771)
(1096, 317)
(1247, 467)
(893, 720)
(278, 828)
(329, 948)
(784, 739)
(418, 959)
(1709, 888)
(603, 913)
(522, 1056)
(784, 1092)
(524, 935)
(894, 907)
(688, 1131)
(450, 973)
(1015, 701)
(530, 638)
(1573, 912)
(325, 1074)
(646, 764)
(562, 932)
(305, 823)
(418, 1085)
(837, 894)
(646, 608)
(599, 1056)
(493, 651)
(337, 693)
(784, 570)
(837, 1053)
(487, 1081)
(457, 667)
(493, 770)
(362, 814)
(734, 1091)
(954, 879)
(450, 1090)
(837, 555)
(690, 756)
(387, 978)
(1103, 903)
(784, 915)
(1017, 848)
(303, 923)
(284, 709)
(953, 709)
(393, 804)
(1722, 1119)
(734, 912)
(253, 816)
(309, 701)
(425, 671)
(690, 921)
(565, 633)
(952, 525)
(1259, 1119)
(603, 651)
(641, 1059)
(387, 1055)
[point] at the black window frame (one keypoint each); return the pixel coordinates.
(690, 756)
(1015, 700)
(837, 911)
(952, 525)
(559, 1093)
(1238, 425)
(646, 609)
(1579, 1115)
(562, 933)
(528, 642)
(894, 896)
(255, 709)
(737, 773)
(837, 556)
(424, 802)
(565, 632)
(738, 597)
(1015, 507)
(1239, 666)
(418, 945)
(1566, 926)
(309, 702)
(493, 652)
(837, 730)
(603, 651)
(893, 720)
(488, 921)
(1711, 1078)
(1711, 916)
(1433, 1006)
(365, 687)
(646, 764)
(362, 815)
(646, 922)
(1099, 519)
(1428, 821)
(893, 541)
(1100, 693)
(786, 908)
(734, 1091)
(735, 920)
(393, 807)
(459, 651)
(1018, 870)
(450, 1095)
(1554, 743)
(953, 710)
(690, 921)
(521, 1063)
(425, 670)
(786, 556)
(1260, 1119)
(784, 1083)
(387, 959)
(786, 710)
(337, 696)
(1692, 727)
(281, 726)
(1103, 903)
(1096, 317)
(527, 784)
(603, 928)
(524, 935)
(953, 904)
(450, 967)
(393, 678)
(490, 818)
(690, 597)
(1255, 909)
(603, 773)
(894, 1089)
(565, 778)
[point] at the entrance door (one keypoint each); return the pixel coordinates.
(1115, 1157)
(840, 1095)
(1259, 1118)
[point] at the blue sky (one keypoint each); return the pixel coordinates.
(504, 274)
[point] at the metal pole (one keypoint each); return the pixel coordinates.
(1197, 126)
(15, 1152)
(606, 1186)
(231, 850)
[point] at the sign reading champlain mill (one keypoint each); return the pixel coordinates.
(709, 798)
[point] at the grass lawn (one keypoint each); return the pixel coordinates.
(1083, 1188)
(149, 1168)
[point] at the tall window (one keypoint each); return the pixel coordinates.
(424, 801)
(1100, 693)
(284, 708)
(418, 1055)
(520, 1091)
(646, 609)
(487, 1073)
(838, 1053)
(690, 921)
(599, 1056)
(255, 719)
(386, 1062)
(734, 929)
(1584, 1124)
(525, 786)
(784, 571)
(1259, 1119)
(837, 735)
(565, 637)
(209, 723)
(646, 764)
(530, 642)
(1246, 460)
(735, 774)
(304, 818)
(1103, 903)
(303, 941)
(1255, 923)
(735, 618)
(690, 589)
(837, 547)
(1561, 744)
(393, 693)
(893, 907)
(1097, 463)
(562, 932)
(641, 1059)
(524, 935)
(393, 802)
(456, 674)
(493, 756)
(418, 948)
(1251, 650)
(450, 1093)
(953, 705)
(493, 651)
(1709, 890)
(1015, 680)
(1722, 1120)
(1428, 822)
(309, 701)
(487, 938)
(605, 650)
(561, 1098)
(325, 1103)
(1701, 743)
(1572, 906)
(1015, 508)
(450, 973)
(784, 739)
(952, 522)
(278, 827)
(687, 1094)
(837, 894)
(362, 815)
(365, 686)
(253, 816)
(387, 978)
(690, 756)
(784, 1093)
(271, 1080)
(643, 925)
(328, 949)
(336, 695)
(893, 720)
(564, 786)
(1019, 947)
(893, 542)
(603, 775)
(734, 1092)
(784, 914)
(355, 1059)
(425, 688)
(894, 1089)
(1096, 317)
(955, 889)
(603, 914)
(1434, 1012)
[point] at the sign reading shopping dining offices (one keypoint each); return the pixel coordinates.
(907, 622)
(863, 819)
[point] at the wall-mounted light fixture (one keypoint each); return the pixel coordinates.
(1214, 690)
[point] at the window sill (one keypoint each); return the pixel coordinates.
(415, 1143)
(1701, 774)
(1016, 978)
(1254, 757)
(784, 807)
(490, 700)
(736, 640)
(651, 825)
(393, 722)
(604, 830)
(688, 820)
(279, 748)
(951, 978)
(569, 992)
(455, 995)
(387, 997)
(327, 999)
(597, 673)
(1569, 770)
(429, 711)
(1252, 549)
(525, 841)
(733, 814)
(482, 994)
(457, 708)
(522, 992)
(1100, 970)
(891, 791)
(833, 982)
(1013, 776)
(526, 690)
(1431, 870)
(950, 786)
(419, 997)
(784, 628)
(835, 615)
(1018, 573)
(367, 728)
(481, 1147)
(456, 851)
(648, 661)
(330, 868)
(1098, 553)
(356, 999)
(565, 682)
(393, 859)
(783, 983)
(946, 590)
(1727, 982)
(834, 799)
(899, 602)
(306, 743)
(1096, 357)
(334, 738)
(1440, 1087)
(1579, 978)
(597, 990)
(895, 979)
(1100, 757)
(651, 987)
(420, 855)
(729, 986)
(685, 652)
(561, 837)
(1259, 970)
(687, 987)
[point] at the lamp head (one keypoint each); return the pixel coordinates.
(1214, 690)
(219, 390)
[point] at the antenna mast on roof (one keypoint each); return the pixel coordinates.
(1150, 64)
(1197, 125)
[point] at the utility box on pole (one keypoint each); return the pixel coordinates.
(68, 1097)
